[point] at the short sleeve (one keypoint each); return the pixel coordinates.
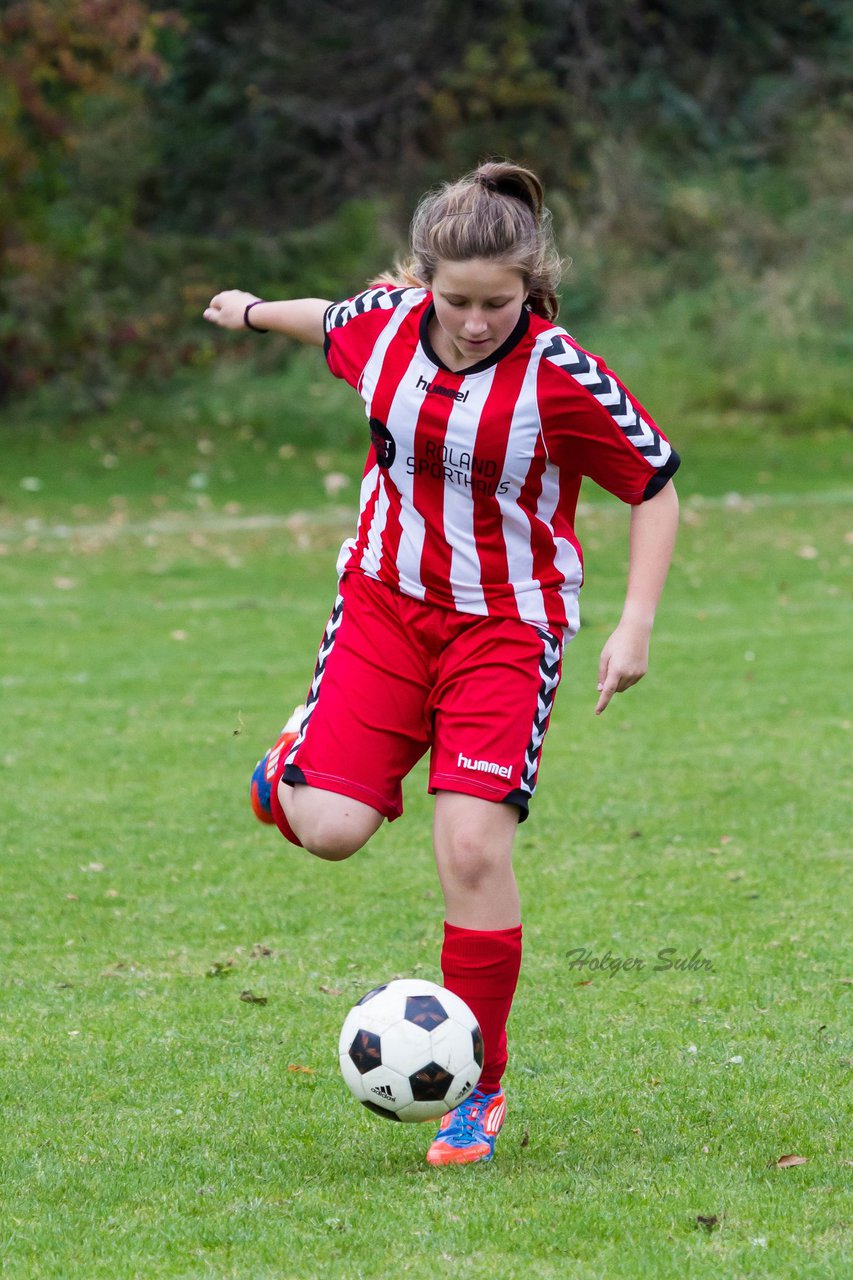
(353, 327)
(593, 425)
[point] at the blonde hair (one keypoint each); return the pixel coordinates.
(495, 212)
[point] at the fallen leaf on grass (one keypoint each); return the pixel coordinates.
(220, 969)
(93, 866)
(305, 1071)
(331, 991)
(260, 949)
(785, 1162)
(251, 998)
(708, 1223)
(525, 1137)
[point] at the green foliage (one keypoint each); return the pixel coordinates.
(74, 144)
(150, 156)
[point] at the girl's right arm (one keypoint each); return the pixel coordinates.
(301, 318)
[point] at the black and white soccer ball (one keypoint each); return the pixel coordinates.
(411, 1050)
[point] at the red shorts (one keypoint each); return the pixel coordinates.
(396, 678)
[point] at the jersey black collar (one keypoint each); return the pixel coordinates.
(498, 354)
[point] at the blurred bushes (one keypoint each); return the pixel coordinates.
(699, 162)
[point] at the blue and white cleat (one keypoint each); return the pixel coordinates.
(468, 1133)
(265, 769)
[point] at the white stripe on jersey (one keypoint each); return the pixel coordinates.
(523, 435)
(566, 558)
(372, 483)
(372, 557)
(376, 479)
(373, 368)
(465, 569)
(405, 409)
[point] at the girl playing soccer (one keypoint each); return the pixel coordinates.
(461, 585)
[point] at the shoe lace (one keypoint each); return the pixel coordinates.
(466, 1116)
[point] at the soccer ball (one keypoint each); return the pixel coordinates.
(411, 1050)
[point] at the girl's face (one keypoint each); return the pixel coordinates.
(477, 305)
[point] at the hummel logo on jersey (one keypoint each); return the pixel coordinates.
(384, 1091)
(431, 388)
(484, 766)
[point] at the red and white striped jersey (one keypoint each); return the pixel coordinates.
(469, 491)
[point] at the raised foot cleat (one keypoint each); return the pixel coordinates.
(467, 1134)
(265, 769)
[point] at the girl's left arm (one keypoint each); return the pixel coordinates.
(625, 657)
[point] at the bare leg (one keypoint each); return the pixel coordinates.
(329, 825)
(473, 851)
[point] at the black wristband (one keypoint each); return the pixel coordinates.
(247, 322)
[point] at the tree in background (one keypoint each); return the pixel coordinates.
(74, 144)
(280, 111)
(149, 154)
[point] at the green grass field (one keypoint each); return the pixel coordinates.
(166, 572)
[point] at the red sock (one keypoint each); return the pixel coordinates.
(481, 966)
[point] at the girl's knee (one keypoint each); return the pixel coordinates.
(469, 860)
(329, 826)
(330, 841)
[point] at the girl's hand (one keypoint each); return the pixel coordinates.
(227, 309)
(624, 660)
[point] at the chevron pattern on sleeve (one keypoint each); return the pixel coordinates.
(326, 646)
(581, 366)
(549, 673)
(383, 298)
